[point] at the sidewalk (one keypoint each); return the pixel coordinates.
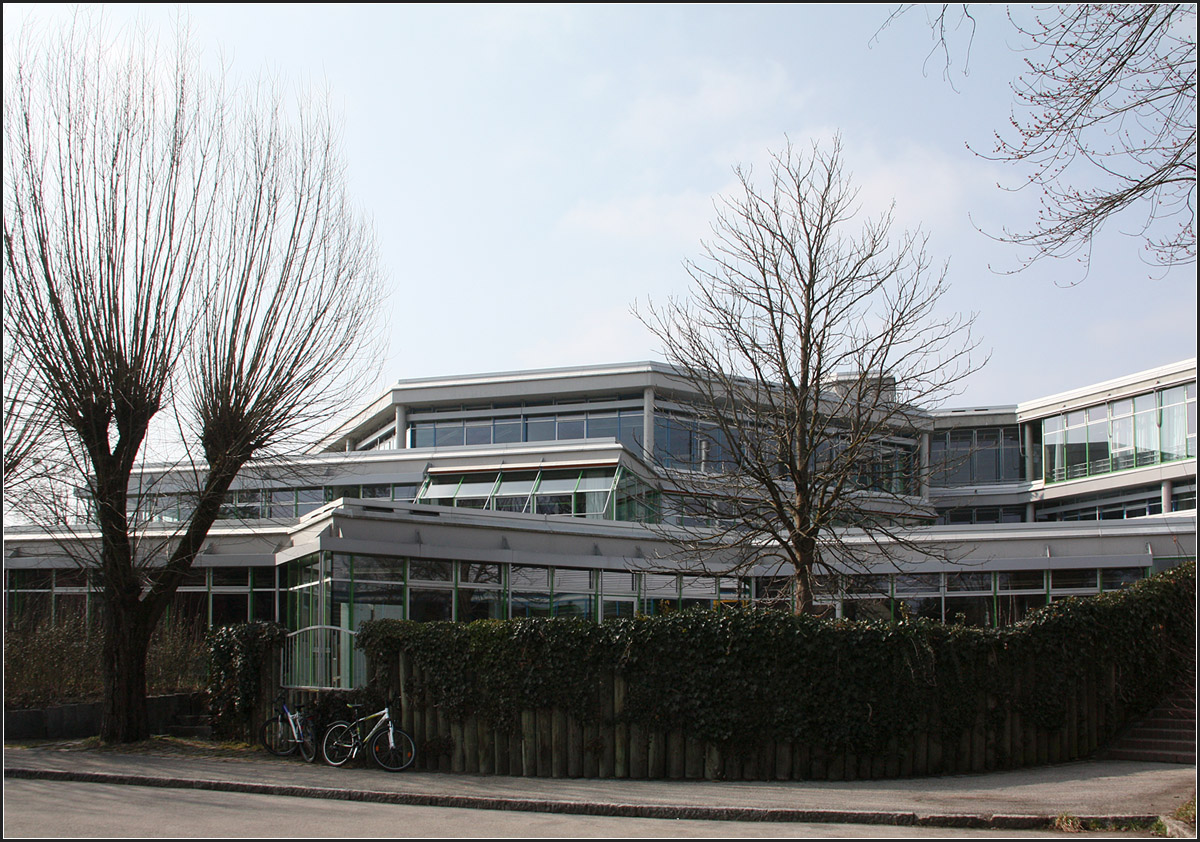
(1113, 790)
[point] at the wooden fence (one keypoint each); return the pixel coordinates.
(552, 743)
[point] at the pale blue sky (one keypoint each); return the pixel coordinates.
(532, 171)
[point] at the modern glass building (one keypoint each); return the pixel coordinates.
(547, 493)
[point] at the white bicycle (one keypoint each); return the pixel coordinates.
(390, 747)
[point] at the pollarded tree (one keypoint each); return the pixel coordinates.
(815, 344)
(181, 255)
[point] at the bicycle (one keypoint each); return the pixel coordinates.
(289, 730)
(389, 746)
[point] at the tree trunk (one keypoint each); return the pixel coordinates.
(126, 643)
(804, 556)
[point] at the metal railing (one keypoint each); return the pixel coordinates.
(322, 658)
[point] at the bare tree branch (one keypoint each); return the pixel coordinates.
(1105, 123)
(815, 345)
(173, 251)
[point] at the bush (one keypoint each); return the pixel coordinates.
(739, 677)
(59, 662)
(238, 656)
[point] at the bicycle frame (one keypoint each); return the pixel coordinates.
(293, 718)
(385, 716)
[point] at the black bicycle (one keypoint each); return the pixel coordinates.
(288, 731)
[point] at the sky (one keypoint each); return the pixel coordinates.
(534, 171)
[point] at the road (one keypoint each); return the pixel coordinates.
(62, 809)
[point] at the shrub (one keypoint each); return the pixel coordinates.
(58, 662)
(740, 676)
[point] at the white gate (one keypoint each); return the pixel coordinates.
(322, 658)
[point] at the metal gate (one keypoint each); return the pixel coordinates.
(322, 658)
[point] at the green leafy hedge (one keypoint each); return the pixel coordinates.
(238, 657)
(738, 677)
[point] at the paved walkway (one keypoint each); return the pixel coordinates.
(1101, 790)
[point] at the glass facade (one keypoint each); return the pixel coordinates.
(1138, 501)
(610, 493)
(975, 456)
(215, 596)
(530, 424)
(987, 599)
(1147, 429)
(981, 515)
(255, 503)
(346, 590)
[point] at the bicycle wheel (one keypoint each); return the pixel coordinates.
(395, 754)
(308, 740)
(338, 745)
(276, 735)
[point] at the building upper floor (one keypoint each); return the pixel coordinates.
(1122, 448)
(594, 442)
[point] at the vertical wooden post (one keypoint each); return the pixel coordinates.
(1093, 713)
(620, 729)
(593, 748)
(516, 750)
(801, 762)
(458, 753)
(891, 760)
(657, 762)
(713, 762)
(638, 751)
(676, 754)
(574, 747)
(783, 761)
(820, 762)
(607, 727)
(484, 750)
(979, 735)
(558, 743)
(1071, 731)
(693, 758)
(500, 752)
(545, 742)
(404, 668)
(965, 740)
(528, 743)
(442, 729)
(470, 750)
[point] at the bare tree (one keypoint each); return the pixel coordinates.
(178, 255)
(814, 343)
(25, 424)
(1105, 123)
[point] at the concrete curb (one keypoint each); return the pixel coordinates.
(650, 811)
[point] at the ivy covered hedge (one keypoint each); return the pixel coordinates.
(743, 678)
(241, 666)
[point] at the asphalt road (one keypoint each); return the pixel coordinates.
(65, 809)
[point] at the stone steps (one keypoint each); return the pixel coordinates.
(1166, 735)
(197, 726)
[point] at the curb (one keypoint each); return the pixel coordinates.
(648, 811)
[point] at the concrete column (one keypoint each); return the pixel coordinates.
(1030, 514)
(1167, 488)
(648, 423)
(401, 426)
(1027, 431)
(924, 457)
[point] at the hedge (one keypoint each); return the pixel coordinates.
(745, 680)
